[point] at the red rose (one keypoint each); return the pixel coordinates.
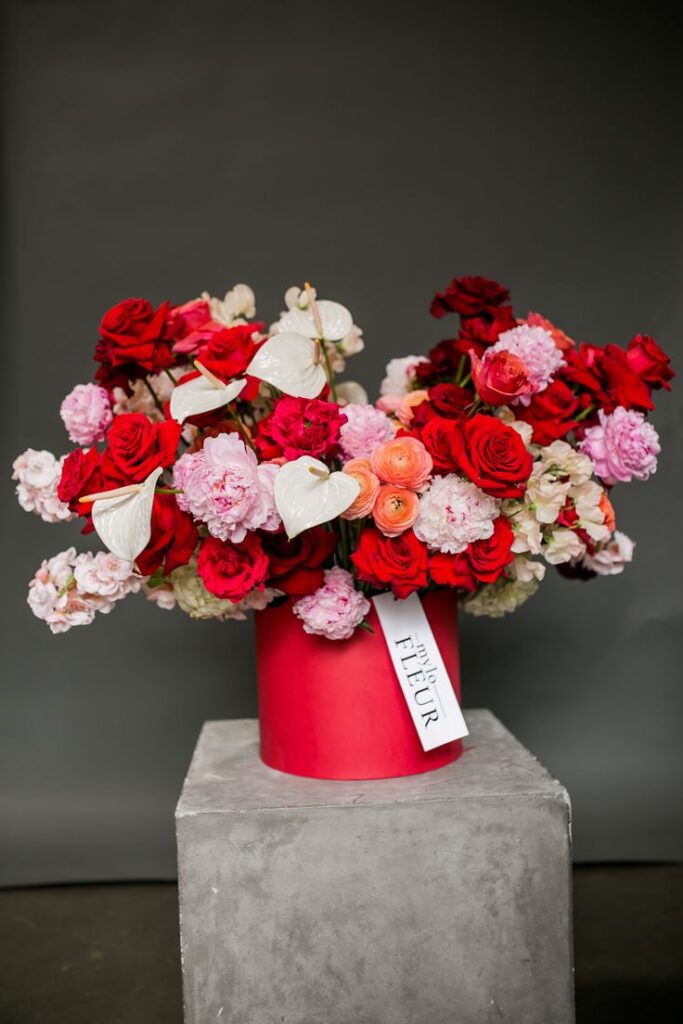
(182, 321)
(135, 447)
(468, 296)
(478, 332)
(230, 570)
(452, 571)
(550, 413)
(443, 361)
(449, 400)
(81, 474)
(296, 566)
(649, 362)
(499, 377)
(134, 341)
(396, 562)
(173, 540)
(493, 456)
(443, 440)
(488, 558)
(300, 426)
(228, 351)
(623, 386)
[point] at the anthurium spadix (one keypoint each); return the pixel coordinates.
(292, 363)
(123, 519)
(307, 494)
(202, 394)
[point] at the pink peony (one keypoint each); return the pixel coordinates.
(38, 474)
(86, 412)
(538, 352)
(224, 487)
(366, 428)
(453, 514)
(622, 446)
(335, 609)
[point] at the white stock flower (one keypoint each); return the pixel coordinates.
(527, 529)
(526, 569)
(563, 546)
(612, 558)
(239, 304)
(587, 498)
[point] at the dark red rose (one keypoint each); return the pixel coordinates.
(81, 474)
(468, 296)
(649, 362)
(449, 400)
(135, 447)
(231, 571)
(296, 566)
(173, 540)
(478, 332)
(499, 377)
(452, 571)
(583, 368)
(302, 426)
(550, 413)
(134, 341)
(228, 351)
(493, 456)
(488, 558)
(396, 562)
(443, 440)
(623, 386)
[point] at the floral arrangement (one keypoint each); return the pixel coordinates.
(224, 467)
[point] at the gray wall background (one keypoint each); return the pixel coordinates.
(163, 148)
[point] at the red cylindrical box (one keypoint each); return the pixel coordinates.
(334, 709)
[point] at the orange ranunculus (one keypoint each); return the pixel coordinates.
(395, 510)
(403, 462)
(361, 471)
(404, 410)
(607, 509)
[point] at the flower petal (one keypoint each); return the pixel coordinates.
(335, 318)
(200, 395)
(305, 499)
(124, 524)
(288, 362)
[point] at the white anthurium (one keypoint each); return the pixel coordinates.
(333, 323)
(308, 494)
(123, 517)
(292, 363)
(202, 394)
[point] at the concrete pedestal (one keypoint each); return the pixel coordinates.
(441, 898)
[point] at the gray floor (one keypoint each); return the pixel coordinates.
(109, 953)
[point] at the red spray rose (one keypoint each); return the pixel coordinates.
(173, 540)
(306, 427)
(494, 457)
(230, 570)
(550, 413)
(396, 562)
(452, 571)
(135, 447)
(623, 386)
(296, 566)
(81, 474)
(649, 362)
(468, 296)
(134, 341)
(488, 558)
(499, 377)
(227, 352)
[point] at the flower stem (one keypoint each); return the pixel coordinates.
(585, 412)
(171, 377)
(154, 395)
(241, 427)
(330, 371)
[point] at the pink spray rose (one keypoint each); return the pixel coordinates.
(335, 609)
(623, 446)
(86, 412)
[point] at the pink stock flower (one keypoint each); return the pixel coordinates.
(623, 446)
(223, 486)
(366, 428)
(106, 576)
(335, 609)
(611, 558)
(86, 413)
(538, 352)
(38, 474)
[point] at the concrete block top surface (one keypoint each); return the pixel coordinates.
(227, 776)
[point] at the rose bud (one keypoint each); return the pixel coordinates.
(499, 377)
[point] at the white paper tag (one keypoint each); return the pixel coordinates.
(420, 669)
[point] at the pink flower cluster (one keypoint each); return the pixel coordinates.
(224, 486)
(366, 428)
(335, 609)
(623, 446)
(37, 474)
(538, 352)
(86, 413)
(69, 589)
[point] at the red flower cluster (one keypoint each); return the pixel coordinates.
(490, 453)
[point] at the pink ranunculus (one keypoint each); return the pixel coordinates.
(38, 474)
(335, 609)
(366, 428)
(623, 446)
(86, 413)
